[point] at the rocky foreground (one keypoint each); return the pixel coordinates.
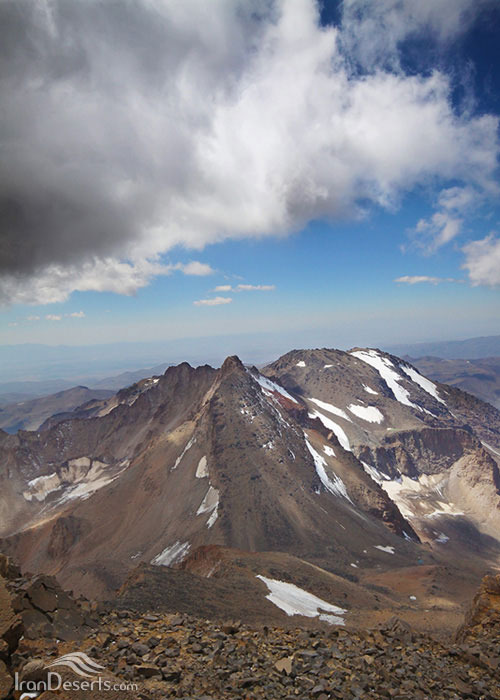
(178, 656)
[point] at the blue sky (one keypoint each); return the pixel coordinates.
(349, 169)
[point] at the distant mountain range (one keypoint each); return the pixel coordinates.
(471, 349)
(13, 393)
(29, 415)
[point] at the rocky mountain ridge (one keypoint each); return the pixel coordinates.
(352, 464)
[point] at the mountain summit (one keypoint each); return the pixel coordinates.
(353, 464)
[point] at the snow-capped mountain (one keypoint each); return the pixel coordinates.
(432, 448)
(351, 462)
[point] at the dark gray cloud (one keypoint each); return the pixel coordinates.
(87, 152)
(129, 128)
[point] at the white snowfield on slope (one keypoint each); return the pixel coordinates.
(391, 377)
(295, 601)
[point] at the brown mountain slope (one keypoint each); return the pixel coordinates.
(338, 459)
(199, 457)
(418, 440)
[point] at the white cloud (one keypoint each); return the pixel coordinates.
(57, 282)
(53, 317)
(373, 31)
(453, 204)
(195, 268)
(419, 279)
(431, 234)
(232, 120)
(255, 288)
(77, 314)
(216, 301)
(245, 288)
(459, 199)
(33, 318)
(482, 260)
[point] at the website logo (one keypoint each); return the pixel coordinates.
(89, 678)
(78, 662)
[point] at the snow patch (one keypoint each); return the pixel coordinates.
(79, 478)
(295, 601)
(388, 549)
(42, 486)
(386, 370)
(210, 501)
(420, 495)
(423, 382)
(202, 468)
(210, 504)
(369, 390)
(331, 409)
(444, 509)
(335, 486)
(334, 427)
(271, 387)
(300, 363)
(179, 458)
(490, 448)
(213, 516)
(367, 413)
(442, 538)
(375, 474)
(328, 451)
(174, 553)
(403, 489)
(327, 366)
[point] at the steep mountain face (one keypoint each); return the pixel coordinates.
(432, 448)
(29, 415)
(195, 457)
(346, 462)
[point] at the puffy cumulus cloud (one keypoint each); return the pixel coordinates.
(215, 301)
(55, 283)
(77, 314)
(53, 317)
(223, 288)
(131, 128)
(423, 279)
(482, 261)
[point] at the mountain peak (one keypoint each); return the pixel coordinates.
(230, 364)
